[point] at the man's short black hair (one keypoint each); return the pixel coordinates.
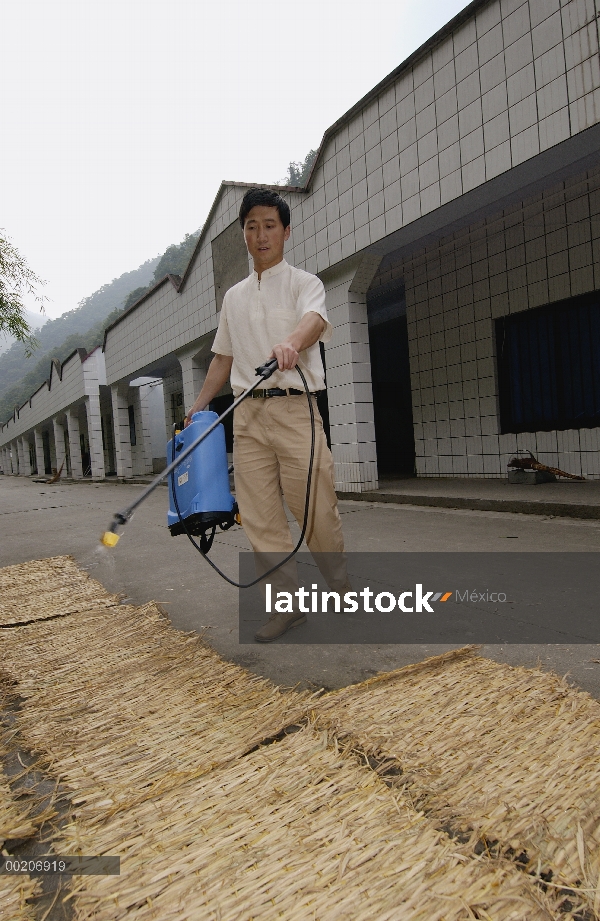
(269, 199)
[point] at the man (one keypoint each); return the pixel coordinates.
(277, 312)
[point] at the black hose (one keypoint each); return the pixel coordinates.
(200, 547)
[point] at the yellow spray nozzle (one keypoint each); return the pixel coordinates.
(109, 539)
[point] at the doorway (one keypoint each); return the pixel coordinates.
(47, 453)
(390, 373)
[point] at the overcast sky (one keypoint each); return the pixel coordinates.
(121, 117)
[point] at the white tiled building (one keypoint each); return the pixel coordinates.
(453, 215)
(69, 423)
(59, 426)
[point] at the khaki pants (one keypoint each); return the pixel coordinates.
(271, 454)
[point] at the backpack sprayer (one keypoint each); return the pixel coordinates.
(199, 494)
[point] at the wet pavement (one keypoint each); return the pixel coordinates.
(148, 564)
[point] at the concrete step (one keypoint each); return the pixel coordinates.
(563, 499)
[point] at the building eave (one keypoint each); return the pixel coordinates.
(391, 78)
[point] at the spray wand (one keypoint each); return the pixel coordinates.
(111, 537)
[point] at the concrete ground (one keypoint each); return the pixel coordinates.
(41, 521)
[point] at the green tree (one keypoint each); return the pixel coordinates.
(134, 296)
(16, 281)
(299, 172)
(174, 261)
(175, 258)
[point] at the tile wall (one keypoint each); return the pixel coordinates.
(542, 250)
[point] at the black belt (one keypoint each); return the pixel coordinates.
(277, 392)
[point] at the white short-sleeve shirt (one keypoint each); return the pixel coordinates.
(256, 315)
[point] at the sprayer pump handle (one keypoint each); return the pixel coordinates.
(265, 371)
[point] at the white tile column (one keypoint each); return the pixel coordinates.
(19, 444)
(119, 397)
(26, 466)
(74, 443)
(349, 390)
(143, 393)
(94, 424)
(59, 444)
(39, 452)
(170, 386)
(193, 374)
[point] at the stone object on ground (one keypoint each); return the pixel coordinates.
(530, 477)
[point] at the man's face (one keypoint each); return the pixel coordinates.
(265, 236)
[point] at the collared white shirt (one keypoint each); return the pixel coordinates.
(256, 315)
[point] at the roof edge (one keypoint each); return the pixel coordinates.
(179, 282)
(408, 62)
(175, 281)
(43, 384)
(226, 183)
(47, 382)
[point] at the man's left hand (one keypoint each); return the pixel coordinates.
(286, 355)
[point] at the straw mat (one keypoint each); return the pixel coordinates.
(510, 754)
(122, 705)
(15, 822)
(48, 588)
(162, 744)
(14, 890)
(295, 830)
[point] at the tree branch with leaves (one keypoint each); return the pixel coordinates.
(16, 281)
(298, 173)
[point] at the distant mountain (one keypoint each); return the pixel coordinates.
(35, 320)
(82, 327)
(20, 392)
(20, 376)
(174, 261)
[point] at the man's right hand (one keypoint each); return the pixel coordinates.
(217, 375)
(188, 419)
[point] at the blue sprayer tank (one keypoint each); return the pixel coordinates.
(201, 480)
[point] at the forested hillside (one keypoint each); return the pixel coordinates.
(95, 308)
(83, 327)
(40, 369)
